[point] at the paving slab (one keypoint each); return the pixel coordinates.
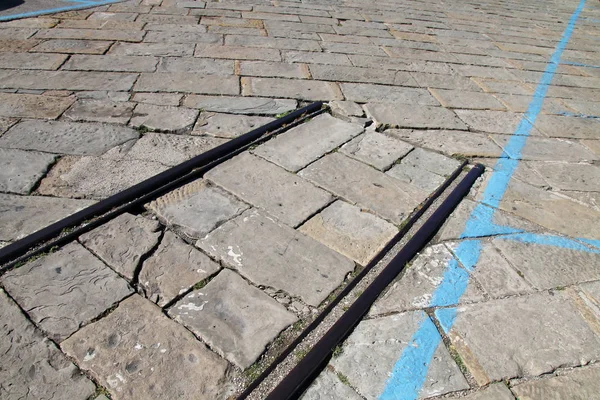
(227, 125)
(286, 196)
(100, 111)
(38, 370)
(371, 351)
(413, 116)
(71, 46)
(365, 186)
(186, 82)
(163, 118)
(31, 60)
(64, 290)
(562, 176)
(495, 391)
(240, 105)
(376, 149)
(345, 109)
(32, 106)
(553, 149)
(122, 242)
(22, 169)
(66, 137)
(464, 99)
(568, 127)
(346, 229)
(271, 254)
(291, 89)
(67, 80)
(328, 386)
(81, 62)
(577, 384)
(173, 269)
(196, 208)
(152, 49)
(159, 99)
(301, 145)
(228, 314)
(159, 359)
(391, 95)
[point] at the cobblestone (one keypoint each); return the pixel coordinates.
(376, 149)
(22, 169)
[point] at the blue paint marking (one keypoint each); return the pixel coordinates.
(78, 5)
(570, 114)
(410, 371)
(578, 64)
(555, 241)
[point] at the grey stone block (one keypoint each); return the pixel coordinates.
(553, 149)
(111, 63)
(227, 125)
(328, 386)
(579, 177)
(100, 111)
(365, 93)
(376, 149)
(291, 88)
(68, 80)
(198, 65)
(187, 82)
(240, 105)
(22, 169)
(163, 118)
(495, 391)
(578, 384)
(32, 106)
(413, 116)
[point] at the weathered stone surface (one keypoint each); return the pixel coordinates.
(285, 196)
(73, 46)
(32, 106)
(298, 147)
(495, 342)
(22, 169)
(291, 88)
(345, 109)
(122, 35)
(315, 58)
(236, 53)
(415, 288)
(196, 208)
(187, 82)
(31, 60)
(174, 268)
(182, 37)
(67, 80)
(369, 354)
(365, 186)
(100, 111)
(111, 63)
(33, 368)
(240, 105)
(66, 137)
(463, 99)
(328, 386)
(229, 315)
(346, 229)
(495, 391)
(376, 149)
(6, 123)
(171, 149)
(227, 125)
(123, 241)
(413, 116)
(156, 359)
(568, 127)
(274, 255)
(580, 177)
(159, 99)
(390, 95)
(163, 118)
(63, 290)
(198, 65)
(22, 215)
(339, 73)
(578, 384)
(273, 69)
(490, 121)
(152, 49)
(550, 150)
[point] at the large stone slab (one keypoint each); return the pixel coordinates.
(371, 352)
(33, 368)
(67, 80)
(196, 208)
(495, 391)
(522, 336)
(464, 99)
(240, 105)
(33, 106)
(105, 62)
(187, 82)
(118, 112)
(291, 88)
(22, 169)
(491, 121)
(328, 386)
(227, 125)
(578, 384)
(163, 118)
(229, 315)
(138, 353)
(365, 186)
(579, 177)
(66, 137)
(285, 196)
(344, 228)
(376, 149)
(123, 241)
(298, 147)
(413, 116)
(553, 149)
(63, 290)
(173, 269)
(23, 215)
(568, 127)
(271, 254)
(392, 95)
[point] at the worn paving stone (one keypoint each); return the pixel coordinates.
(490, 121)
(271, 42)
(345, 109)
(67, 80)
(371, 351)
(312, 57)
(66, 137)
(301, 145)
(365, 186)
(196, 208)
(390, 95)
(376, 149)
(158, 359)
(413, 116)
(198, 65)
(186, 82)
(240, 105)
(22, 169)
(285, 196)
(495, 391)
(495, 342)
(291, 88)
(273, 69)
(163, 118)
(123, 241)
(553, 149)
(470, 100)
(339, 73)
(6, 123)
(73, 46)
(33, 367)
(173, 269)
(577, 384)
(274, 255)
(182, 37)
(414, 289)
(31, 60)
(236, 53)
(152, 49)
(358, 235)
(228, 314)
(100, 111)
(568, 127)
(227, 125)
(63, 290)
(32, 106)
(581, 177)
(159, 99)
(328, 386)
(111, 63)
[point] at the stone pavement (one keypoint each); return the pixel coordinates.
(182, 299)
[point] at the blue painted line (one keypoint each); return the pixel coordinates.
(578, 64)
(555, 241)
(595, 243)
(570, 114)
(410, 371)
(79, 4)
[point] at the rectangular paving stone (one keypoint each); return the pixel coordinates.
(291, 88)
(111, 63)
(413, 116)
(137, 353)
(163, 118)
(63, 290)
(340, 73)
(365, 186)
(193, 64)
(568, 127)
(73, 46)
(31, 60)
(68, 80)
(33, 367)
(228, 315)
(543, 149)
(118, 112)
(376, 149)
(187, 83)
(152, 49)
(414, 169)
(470, 100)
(6, 123)
(227, 125)
(93, 34)
(236, 53)
(182, 37)
(240, 105)
(312, 57)
(272, 69)
(328, 382)
(272, 43)
(22, 169)
(447, 80)
(562, 176)
(495, 342)
(33, 106)
(301, 145)
(352, 48)
(160, 99)
(451, 143)
(578, 384)
(271, 254)
(491, 121)
(495, 391)
(285, 196)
